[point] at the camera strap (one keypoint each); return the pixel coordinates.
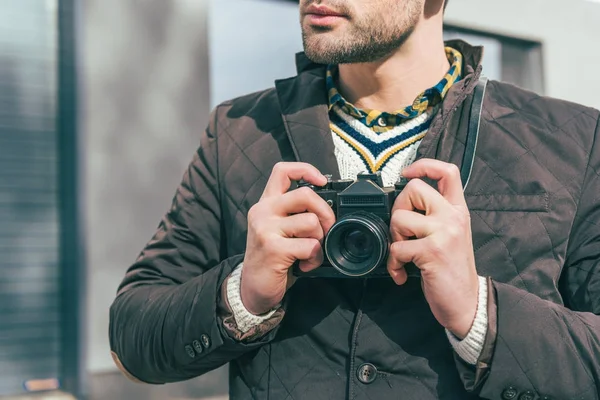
(473, 131)
(469, 155)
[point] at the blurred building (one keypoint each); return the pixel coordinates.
(101, 106)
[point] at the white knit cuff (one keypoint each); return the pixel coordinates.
(244, 319)
(469, 349)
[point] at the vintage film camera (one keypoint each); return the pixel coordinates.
(357, 245)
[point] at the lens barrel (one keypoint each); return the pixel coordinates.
(357, 244)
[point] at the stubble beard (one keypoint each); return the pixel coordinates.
(362, 44)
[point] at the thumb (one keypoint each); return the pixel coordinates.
(396, 270)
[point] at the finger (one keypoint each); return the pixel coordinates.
(284, 173)
(411, 251)
(397, 271)
(305, 225)
(307, 251)
(418, 195)
(405, 224)
(305, 200)
(400, 254)
(446, 174)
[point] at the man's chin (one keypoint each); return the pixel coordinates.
(319, 49)
(317, 56)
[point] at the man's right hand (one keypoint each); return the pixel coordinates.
(283, 227)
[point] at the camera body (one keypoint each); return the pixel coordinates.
(357, 245)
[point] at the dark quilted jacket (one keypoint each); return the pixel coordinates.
(534, 197)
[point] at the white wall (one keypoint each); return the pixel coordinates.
(569, 31)
(251, 46)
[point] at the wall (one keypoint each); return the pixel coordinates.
(568, 30)
(265, 51)
(146, 100)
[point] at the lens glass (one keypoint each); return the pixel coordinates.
(357, 244)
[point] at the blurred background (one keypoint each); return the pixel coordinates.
(101, 107)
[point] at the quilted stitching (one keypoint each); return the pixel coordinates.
(297, 385)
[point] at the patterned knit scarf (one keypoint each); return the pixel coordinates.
(371, 140)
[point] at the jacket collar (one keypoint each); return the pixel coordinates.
(472, 56)
(304, 108)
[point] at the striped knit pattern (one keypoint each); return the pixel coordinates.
(359, 149)
(469, 349)
(244, 319)
(371, 141)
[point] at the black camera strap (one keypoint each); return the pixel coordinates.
(473, 132)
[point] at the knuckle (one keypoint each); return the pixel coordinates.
(316, 202)
(454, 231)
(415, 184)
(436, 248)
(312, 220)
(452, 170)
(256, 213)
(279, 165)
(315, 248)
(411, 184)
(313, 244)
(279, 168)
(306, 192)
(396, 218)
(462, 219)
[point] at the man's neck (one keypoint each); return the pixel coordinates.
(394, 83)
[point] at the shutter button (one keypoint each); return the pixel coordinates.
(366, 373)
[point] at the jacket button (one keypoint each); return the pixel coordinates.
(205, 340)
(528, 395)
(366, 373)
(197, 346)
(509, 393)
(190, 352)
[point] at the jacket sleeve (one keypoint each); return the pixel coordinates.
(164, 322)
(545, 350)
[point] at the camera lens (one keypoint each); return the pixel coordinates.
(357, 244)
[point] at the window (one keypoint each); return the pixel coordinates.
(506, 59)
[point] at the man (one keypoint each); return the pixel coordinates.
(509, 288)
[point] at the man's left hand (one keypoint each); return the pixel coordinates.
(441, 245)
